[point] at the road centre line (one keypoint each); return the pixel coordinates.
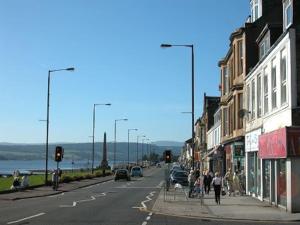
(148, 218)
(144, 223)
(26, 218)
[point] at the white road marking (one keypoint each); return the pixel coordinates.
(100, 195)
(87, 200)
(84, 200)
(160, 184)
(144, 223)
(26, 218)
(148, 197)
(124, 186)
(148, 218)
(53, 196)
(150, 214)
(68, 206)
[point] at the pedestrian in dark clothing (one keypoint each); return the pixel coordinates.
(207, 182)
(197, 174)
(217, 184)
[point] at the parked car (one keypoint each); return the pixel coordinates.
(180, 177)
(175, 168)
(136, 171)
(122, 174)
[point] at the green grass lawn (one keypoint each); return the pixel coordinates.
(6, 182)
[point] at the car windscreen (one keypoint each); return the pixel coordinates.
(123, 172)
(180, 174)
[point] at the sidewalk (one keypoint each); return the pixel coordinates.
(231, 208)
(47, 190)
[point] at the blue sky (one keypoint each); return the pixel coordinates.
(114, 46)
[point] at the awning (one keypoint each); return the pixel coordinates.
(211, 152)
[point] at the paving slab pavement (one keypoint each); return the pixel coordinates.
(231, 208)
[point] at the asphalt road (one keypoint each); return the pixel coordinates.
(110, 203)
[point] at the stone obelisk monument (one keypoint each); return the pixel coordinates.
(104, 162)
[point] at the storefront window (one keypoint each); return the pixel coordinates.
(258, 182)
(251, 174)
(267, 177)
(281, 182)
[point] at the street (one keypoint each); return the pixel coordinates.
(108, 203)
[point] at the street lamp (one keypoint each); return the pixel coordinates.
(115, 143)
(48, 107)
(93, 154)
(128, 145)
(137, 148)
(193, 111)
(146, 139)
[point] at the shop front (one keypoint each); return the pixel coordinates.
(279, 151)
(234, 156)
(253, 164)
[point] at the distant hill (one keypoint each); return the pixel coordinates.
(80, 151)
(169, 143)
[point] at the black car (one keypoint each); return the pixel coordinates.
(180, 177)
(122, 174)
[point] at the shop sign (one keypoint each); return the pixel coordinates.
(251, 141)
(196, 156)
(273, 145)
(238, 150)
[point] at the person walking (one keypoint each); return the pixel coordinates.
(207, 182)
(236, 184)
(199, 184)
(191, 180)
(217, 184)
(229, 181)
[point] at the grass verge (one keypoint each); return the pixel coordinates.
(67, 176)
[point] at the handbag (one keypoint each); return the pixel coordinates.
(223, 192)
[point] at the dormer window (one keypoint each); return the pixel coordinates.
(264, 46)
(287, 13)
(255, 9)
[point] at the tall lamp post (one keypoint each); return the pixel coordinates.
(193, 110)
(132, 129)
(115, 142)
(137, 148)
(94, 118)
(48, 107)
(146, 139)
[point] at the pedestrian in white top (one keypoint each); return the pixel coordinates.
(217, 184)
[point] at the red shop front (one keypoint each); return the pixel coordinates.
(279, 151)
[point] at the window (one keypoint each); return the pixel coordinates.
(259, 105)
(266, 92)
(240, 57)
(225, 115)
(255, 10)
(287, 13)
(226, 82)
(283, 76)
(264, 46)
(273, 83)
(240, 105)
(253, 99)
(248, 99)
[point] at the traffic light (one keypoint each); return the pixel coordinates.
(168, 156)
(59, 153)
